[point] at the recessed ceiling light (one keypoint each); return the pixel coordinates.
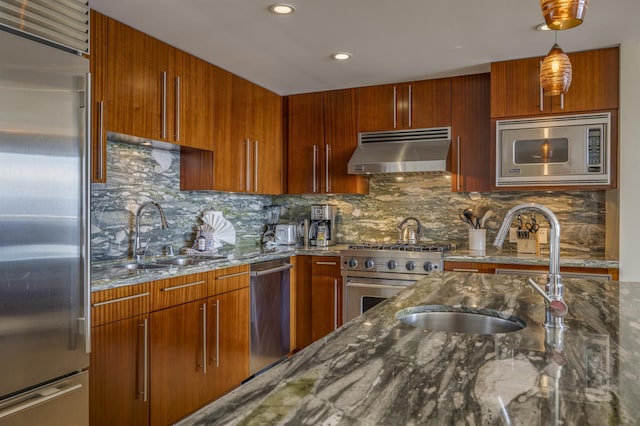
(543, 27)
(341, 56)
(282, 9)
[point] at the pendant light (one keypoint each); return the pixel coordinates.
(563, 14)
(555, 72)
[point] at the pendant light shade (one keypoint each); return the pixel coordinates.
(555, 72)
(563, 14)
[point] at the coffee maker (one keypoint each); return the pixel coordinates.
(322, 225)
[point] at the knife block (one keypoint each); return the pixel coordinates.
(528, 245)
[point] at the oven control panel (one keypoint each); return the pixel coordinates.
(391, 262)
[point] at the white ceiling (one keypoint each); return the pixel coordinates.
(391, 40)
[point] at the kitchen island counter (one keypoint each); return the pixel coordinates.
(374, 370)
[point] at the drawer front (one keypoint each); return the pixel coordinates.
(325, 265)
(119, 303)
(178, 290)
(230, 279)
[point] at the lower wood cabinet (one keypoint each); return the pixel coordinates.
(326, 296)
(118, 384)
(159, 355)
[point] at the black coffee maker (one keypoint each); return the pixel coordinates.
(322, 225)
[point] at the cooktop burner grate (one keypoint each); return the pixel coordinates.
(442, 248)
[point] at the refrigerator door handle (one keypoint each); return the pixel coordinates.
(86, 212)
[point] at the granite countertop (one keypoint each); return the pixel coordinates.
(374, 370)
(106, 275)
(493, 255)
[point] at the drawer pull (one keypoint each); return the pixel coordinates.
(224, 277)
(465, 270)
(176, 287)
(120, 299)
(327, 263)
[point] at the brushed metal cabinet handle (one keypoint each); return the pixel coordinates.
(100, 174)
(203, 308)
(177, 89)
(458, 171)
(120, 299)
(410, 107)
(327, 160)
(255, 168)
(217, 305)
(176, 287)
(164, 105)
(315, 165)
(248, 164)
(326, 263)
(464, 270)
(335, 303)
(395, 107)
(541, 91)
(224, 277)
(145, 360)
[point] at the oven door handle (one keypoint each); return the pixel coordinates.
(362, 285)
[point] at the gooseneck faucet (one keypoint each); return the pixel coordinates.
(554, 300)
(137, 249)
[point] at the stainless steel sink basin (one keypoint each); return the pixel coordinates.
(459, 319)
(186, 261)
(144, 266)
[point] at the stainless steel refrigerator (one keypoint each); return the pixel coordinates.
(44, 324)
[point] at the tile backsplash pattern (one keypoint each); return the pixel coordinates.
(138, 173)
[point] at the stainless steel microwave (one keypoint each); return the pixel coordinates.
(548, 151)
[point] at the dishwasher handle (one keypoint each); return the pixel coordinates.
(271, 270)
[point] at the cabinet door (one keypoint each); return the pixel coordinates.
(266, 142)
(471, 133)
(139, 98)
(594, 85)
(228, 351)
(193, 102)
(118, 385)
(305, 139)
(178, 364)
(340, 141)
(515, 89)
(378, 108)
(98, 66)
(302, 302)
(429, 104)
(326, 296)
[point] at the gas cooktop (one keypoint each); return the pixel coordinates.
(442, 248)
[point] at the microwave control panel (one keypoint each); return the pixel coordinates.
(594, 150)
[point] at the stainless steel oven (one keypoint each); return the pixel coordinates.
(372, 273)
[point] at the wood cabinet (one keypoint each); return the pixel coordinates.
(326, 296)
(565, 271)
(471, 133)
(321, 137)
(248, 146)
(176, 344)
(515, 86)
(302, 301)
(97, 66)
(119, 364)
(420, 104)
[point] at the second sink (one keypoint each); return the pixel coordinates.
(459, 319)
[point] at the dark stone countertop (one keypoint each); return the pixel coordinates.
(376, 371)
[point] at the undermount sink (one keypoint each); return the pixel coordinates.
(459, 319)
(186, 261)
(143, 266)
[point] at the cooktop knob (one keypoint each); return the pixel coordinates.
(392, 264)
(410, 265)
(428, 266)
(368, 263)
(352, 263)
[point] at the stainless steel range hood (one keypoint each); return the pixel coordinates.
(416, 150)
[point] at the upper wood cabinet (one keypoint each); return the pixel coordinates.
(321, 137)
(98, 65)
(247, 145)
(471, 133)
(515, 86)
(146, 88)
(420, 104)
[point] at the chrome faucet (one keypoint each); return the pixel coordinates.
(138, 251)
(554, 300)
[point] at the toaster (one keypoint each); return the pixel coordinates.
(286, 234)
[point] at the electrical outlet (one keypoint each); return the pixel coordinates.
(513, 235)
(543, 235)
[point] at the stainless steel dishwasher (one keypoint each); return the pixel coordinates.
(269, 313)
